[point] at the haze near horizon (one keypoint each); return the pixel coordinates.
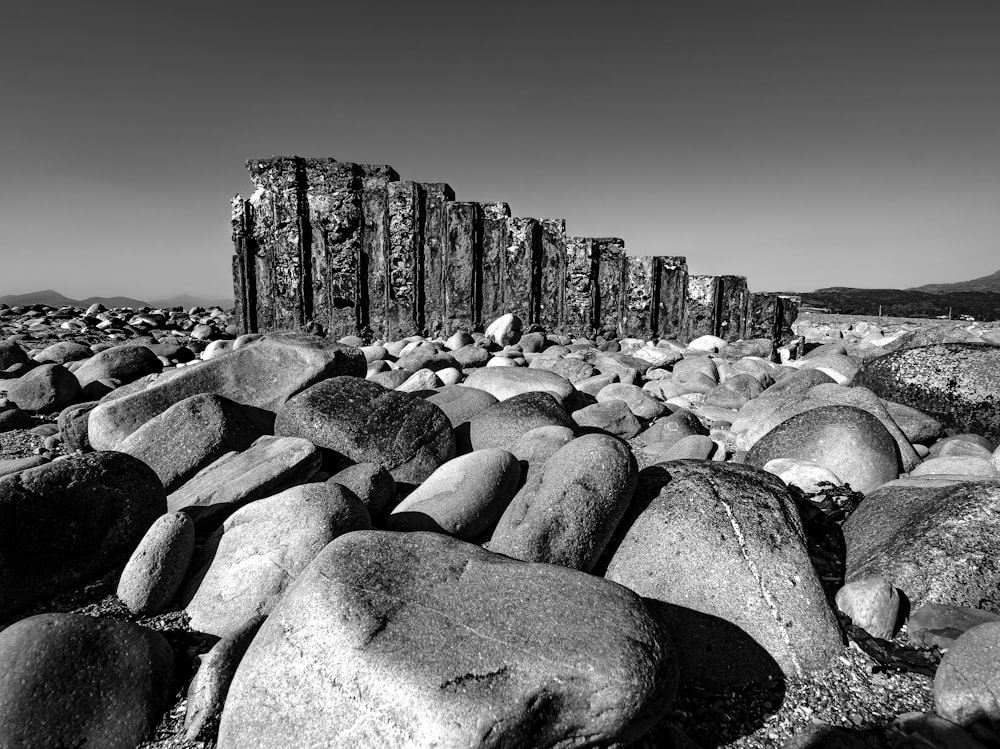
(800, 145)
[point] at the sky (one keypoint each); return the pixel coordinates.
(801, 144)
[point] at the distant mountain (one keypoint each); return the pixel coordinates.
(990, 283)
(55, 299)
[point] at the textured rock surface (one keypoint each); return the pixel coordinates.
(736, 526)
(569, 517)
(362, 422)
(68, 680)
(263, 374)
(967, 682)
(503, 423)
(416, 639)
(249, 562)
(936, 543)
(269, 466)
(69, 520)
(194, 432)
(956, 383)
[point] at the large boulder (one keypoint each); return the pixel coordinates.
(48, 387)
(502, 424)
(68, 680)
(69, 520)
(192, 433)
(848, 441)
(719, 552)
(264, 373)
(955, 383)
(937, 541)
(568, 517)
(248, 563)
(967, 681)
(762, 414)
(123, 364)
(362, 422)
(418, 639)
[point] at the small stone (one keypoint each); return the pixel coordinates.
(872, 604)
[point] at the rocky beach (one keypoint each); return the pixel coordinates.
(500, 539)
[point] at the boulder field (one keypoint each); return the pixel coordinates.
(484, 541)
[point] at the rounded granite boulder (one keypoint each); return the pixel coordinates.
(363, 422)
(956, 383)
(69, 680)
(845, 440)
(419, 639)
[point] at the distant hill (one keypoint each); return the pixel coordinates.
(981, 305)
(55, 299)
(187, 301)
(989, 284)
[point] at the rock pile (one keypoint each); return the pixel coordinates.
(507, 540)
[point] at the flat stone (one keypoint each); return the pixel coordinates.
(506, 382)
(271, 465)
(194, 432)
(941, 624)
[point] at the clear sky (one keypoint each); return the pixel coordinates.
(802, 144)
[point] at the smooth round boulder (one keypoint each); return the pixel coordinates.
(155, 572)
(69, 520)
(502, 424)
(362, 422)
(506, 382)
(568, 518)
(463, 498)
(122, 363)
(62, 352)
(639, 402)
(419, 639)
(69, 680)
(955, 383)
(574, 370)
(967, 681)
(847, 441)
(46, 388)
(611, 417)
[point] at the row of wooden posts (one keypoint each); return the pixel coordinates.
(353, 250)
